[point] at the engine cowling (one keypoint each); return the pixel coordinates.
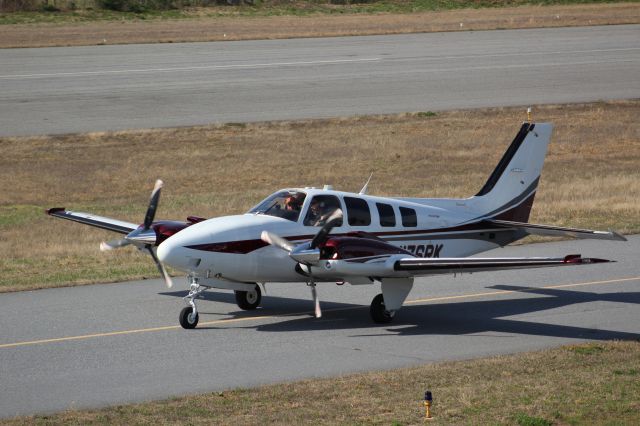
(352, 247)
(166, 228)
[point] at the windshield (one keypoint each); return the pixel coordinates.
(284, 204)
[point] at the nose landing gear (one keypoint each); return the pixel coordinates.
(248, 298)
(189, 316)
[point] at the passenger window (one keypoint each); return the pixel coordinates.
(320, 209)
(387, 216)
(409, 217)
(357, 211)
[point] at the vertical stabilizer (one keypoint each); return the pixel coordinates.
(509, 192)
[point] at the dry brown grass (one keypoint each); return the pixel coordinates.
(594, 383)
(273, 27)
(591, 177)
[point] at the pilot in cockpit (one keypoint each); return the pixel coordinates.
(292, 206)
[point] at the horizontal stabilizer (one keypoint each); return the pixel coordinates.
(93, 220)
(430, 266)
(558, 231)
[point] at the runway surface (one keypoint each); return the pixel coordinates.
(116, 343)
(85, 89)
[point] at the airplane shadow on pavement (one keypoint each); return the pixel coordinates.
(271, 305)
(455, 318)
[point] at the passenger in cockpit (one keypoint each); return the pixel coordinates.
(318, 214)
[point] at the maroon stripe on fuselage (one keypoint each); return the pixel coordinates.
(235, 247)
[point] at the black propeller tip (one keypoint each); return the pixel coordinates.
(153, 204)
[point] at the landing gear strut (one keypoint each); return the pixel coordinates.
(248, 300)
(189, 316)
(379, 312)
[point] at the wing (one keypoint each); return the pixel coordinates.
(548, 230)
(431, 266)
(402, 266)
(93, 220)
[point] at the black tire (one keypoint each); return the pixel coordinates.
(248, 300)
(378, 311)
(186, 321)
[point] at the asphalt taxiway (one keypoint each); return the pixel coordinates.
(116, 343)
(97, 88)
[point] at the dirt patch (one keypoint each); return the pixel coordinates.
(275, 27)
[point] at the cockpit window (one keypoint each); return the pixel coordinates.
(320, 209)
(284, 204)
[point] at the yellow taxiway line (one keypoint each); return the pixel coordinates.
(259, 317)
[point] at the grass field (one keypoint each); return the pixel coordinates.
(591, 177)
(592, 383)
(261, 8)
(303, 19)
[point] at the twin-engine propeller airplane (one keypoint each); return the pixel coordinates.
(321, 235)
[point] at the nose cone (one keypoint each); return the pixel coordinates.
(173, 252)
(163, 252)
(169, 254)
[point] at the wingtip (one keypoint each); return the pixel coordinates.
(54, 210)
(579, 260)
(617, 236)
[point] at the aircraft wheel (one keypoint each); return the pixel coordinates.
(249, 300)
(187, 319)
(378, 311)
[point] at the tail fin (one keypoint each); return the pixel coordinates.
(509, 192)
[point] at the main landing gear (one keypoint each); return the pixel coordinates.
(378, 311)
(248, 300)
(385, 305)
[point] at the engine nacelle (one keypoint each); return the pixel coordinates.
(347, 248)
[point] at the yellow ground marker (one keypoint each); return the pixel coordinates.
(259, 317)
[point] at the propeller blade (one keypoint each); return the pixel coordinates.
(323, 234)
(113, 244)
(163, 271)
(276, 240)
(316, 300)
(153, 204)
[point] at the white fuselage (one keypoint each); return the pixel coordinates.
(230, 247)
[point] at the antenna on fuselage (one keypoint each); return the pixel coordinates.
(363, 191)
